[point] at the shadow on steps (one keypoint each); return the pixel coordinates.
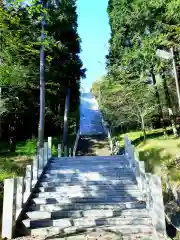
(95, 145)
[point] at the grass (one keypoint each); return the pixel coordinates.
(14, 164)
(137, 136)
(161, 155)
(158, 152)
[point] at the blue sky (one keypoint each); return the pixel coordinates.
(94, 32)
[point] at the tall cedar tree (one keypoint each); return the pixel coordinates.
(20, 34)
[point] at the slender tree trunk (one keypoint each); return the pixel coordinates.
(42, 90)
(176, 76)
(143, 127)
(158, 102)
(1, 47)
(66, 111)
(169, 106)
(13, 134)
(0, 116)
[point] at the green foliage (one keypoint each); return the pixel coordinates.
(138, 29)
(28, 147)
(20, 29)
(124, 104)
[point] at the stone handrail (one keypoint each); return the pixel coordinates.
(129, 151)
(137, 165)
(150, 187)
(107, 132)
(18, 191)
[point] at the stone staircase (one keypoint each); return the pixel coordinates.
(95, 145)
(84, 197)
(85, 193)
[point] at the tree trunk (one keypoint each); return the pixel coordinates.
(176, 76)
(143, 127)
(42, 92)
(169, 106)
(158, 102)
(12, 142)
(0, 116)
(66, 111)
(12, 136)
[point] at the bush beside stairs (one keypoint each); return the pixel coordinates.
(76, 197)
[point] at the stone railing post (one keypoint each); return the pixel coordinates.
(126, 144)
(76, 143)
(129, 151)
(70, 152)
(19, 194)
(65, 151)
(140, 175)
(41, 161)
(59, 150)
(17, 191)
(45, 153)
(156, 204)
(107, 132)
(49, 147)
(143, 179)
(8, 208)
(35, 170)
(148, 191)
(132, 155)
(27, 183)
(110, 141)
(138, 171)
(138, 167)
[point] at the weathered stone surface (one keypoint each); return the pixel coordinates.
(157, 209)
(8, 208)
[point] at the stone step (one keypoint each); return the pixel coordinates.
(100, 187)
(90, 158)
(113, 193)
(130, 229)
(84, 207)
(90, 222)
(66, 200)
(86, 172)
(100, 235)
(124, 229)
(83, 166)
(94, 213)
(84, 222)
(143, 236)
(89, 176)
(109, 164)
(75, 163)
(49, 182)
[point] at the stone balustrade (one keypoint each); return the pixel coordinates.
(150, 187)
(18, 191)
